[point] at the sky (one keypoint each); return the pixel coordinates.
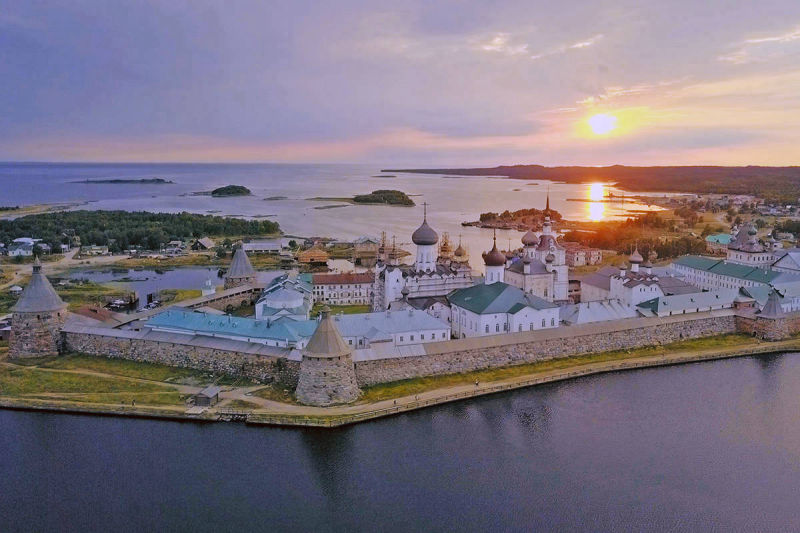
(409, 83)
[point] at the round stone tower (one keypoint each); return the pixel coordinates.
(241, 271)
(327, 372)
(38, 318)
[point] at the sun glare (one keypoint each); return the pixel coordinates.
(602, 123)
(596, 192)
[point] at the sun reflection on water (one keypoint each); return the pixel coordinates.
(597, 208)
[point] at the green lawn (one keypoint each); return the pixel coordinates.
(171, 296)
(344, 309)
(18, 381)
(397, 389)
(276, 393)
(171, 398)
(131, 369)
(241, 404)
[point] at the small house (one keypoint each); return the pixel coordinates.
(313, 256)
(207, 397)
(203, 244)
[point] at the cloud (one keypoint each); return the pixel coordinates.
(617, 92)
(586, 43)
(501, 42)
(753, 49)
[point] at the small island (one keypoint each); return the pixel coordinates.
(231, 190)
(379, 197)
(521, 220)
(136, 181)
(384, 196)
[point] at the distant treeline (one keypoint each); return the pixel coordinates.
(644, 231)
(121, 230)
(773, 183)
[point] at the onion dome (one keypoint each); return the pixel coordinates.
(549, 258)
(530, 239)
(39, 296)
(405, 292)
(460, 251)
(647, 264)
(526, 260)
(424, 235)
(636, 257)
(494, 257)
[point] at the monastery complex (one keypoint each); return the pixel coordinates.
(433, 316)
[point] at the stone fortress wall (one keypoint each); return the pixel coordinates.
(497, 351)
(220, 356)
(266, 364)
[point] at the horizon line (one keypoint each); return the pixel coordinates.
(439, 167)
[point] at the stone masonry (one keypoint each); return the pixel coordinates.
(452, 360)
(327, 374)
(231, 360)
(332, 375)
(36, 334)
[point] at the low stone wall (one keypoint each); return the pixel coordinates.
(232, 361)
(536, 346)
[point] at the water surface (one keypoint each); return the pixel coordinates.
(703, 447)
(452, 200)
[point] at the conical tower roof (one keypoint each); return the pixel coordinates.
(326, 340)
(772, 309)
(39, 296)
(240, 266)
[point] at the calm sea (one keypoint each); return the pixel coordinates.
(703, 447)
(282, 192)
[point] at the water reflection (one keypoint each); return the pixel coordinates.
(596, 193)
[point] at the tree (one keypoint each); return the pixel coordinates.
(221, 253)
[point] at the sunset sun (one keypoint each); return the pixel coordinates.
(602, 123)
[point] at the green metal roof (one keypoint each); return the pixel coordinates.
(724, 268)
(496, 298)
(697, 261)
(719, 238)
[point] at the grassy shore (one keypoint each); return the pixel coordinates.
(397, 389)
(85, 383)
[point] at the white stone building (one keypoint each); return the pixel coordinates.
(632, 285)
(285, 297)
(495, 307)
(430, 276)
(343, 289)
(542, 270)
